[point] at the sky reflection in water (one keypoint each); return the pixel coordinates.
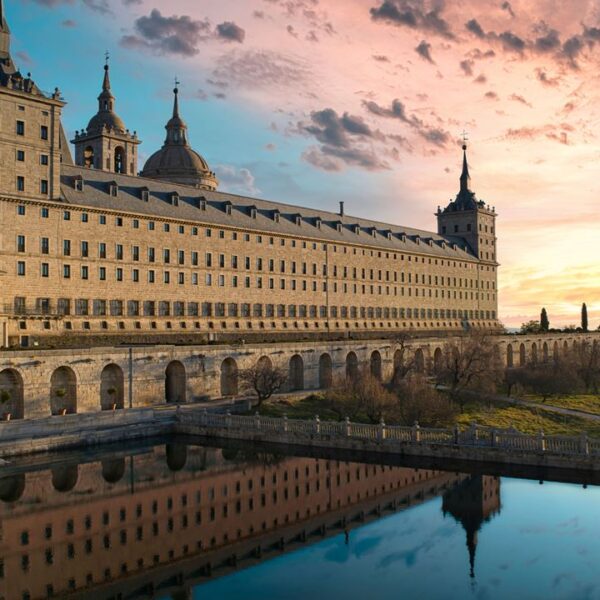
(543, 543)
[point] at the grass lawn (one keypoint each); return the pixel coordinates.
(501, 416)
(584, 402)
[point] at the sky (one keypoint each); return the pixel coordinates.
(314, 102)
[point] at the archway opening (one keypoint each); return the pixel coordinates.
(296, 373)
(545, 352)
(11, 394)
(509, 356)
(113, 469)
(64, 477)
(325, 371)
(12, 488)
(229, 377)
(175, 383)
(375, 365)
(522, 355)
(119, 159)
(88, 157)
(419, 361)
(176, 456)
(351, 366)
(111, 388)
(63, 392)
(534, 353)
(437, 361)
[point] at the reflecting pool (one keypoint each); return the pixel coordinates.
(188, 521)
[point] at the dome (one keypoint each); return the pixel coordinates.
(108, 119)
(176, 161)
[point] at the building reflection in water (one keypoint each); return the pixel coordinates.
(158, 522)
(472, 502)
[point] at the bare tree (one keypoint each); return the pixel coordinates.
(263, 379)
(586, 359)
(469, 364)
(404, 361)
(554, 379)
(419, 401)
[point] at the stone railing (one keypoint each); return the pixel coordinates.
(474, 436)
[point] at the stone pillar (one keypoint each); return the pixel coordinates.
(317, 425)
(382, 429)
(347, 426)
(416, 432)
(584, 446)
(542, 441)
(256, 420)
(285, 424)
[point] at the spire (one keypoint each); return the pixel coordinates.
(176, 127)
(465, 178)
(106, 101)
(106, 82)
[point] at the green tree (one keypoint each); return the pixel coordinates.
(544, 323)
(584, 317)
(530, 327)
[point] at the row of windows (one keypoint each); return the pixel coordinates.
(44, 159)
(119, 222)
(165, 308)
(20, 130)
(21, 185)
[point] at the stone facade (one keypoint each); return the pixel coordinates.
(104, 252)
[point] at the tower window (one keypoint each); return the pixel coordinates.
(20, 127)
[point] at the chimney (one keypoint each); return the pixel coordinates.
(341, 208)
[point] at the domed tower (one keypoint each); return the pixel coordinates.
(106, 144)
(176, 161)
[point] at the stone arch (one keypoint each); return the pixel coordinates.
(351, 366)
(64, 477)
(113, 469)
(296, 373)
(176, 456)
(12, 488)
(510, 360)
(119, 154)
(555, 351)
(375, 365)
(325, 371)
(175, 382)
(437, 360)
(419, 361)
(11, 393)
(63, 391)
(522, 355)
(545, 353)
(229, 377)
(534, 353)
(565, 347)
(111, 387)
(264, 362)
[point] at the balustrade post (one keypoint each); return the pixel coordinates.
(416, 432)
(382, 429)
(347, 426)
(493, 440)
(584, 445)
(317, 424)
(285, 424)
(456, 435)
(542, 440)
(204, 417)
(256, 420)
(474, 432)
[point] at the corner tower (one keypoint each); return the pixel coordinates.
(470, 219)
(106, 144)
(177, 161)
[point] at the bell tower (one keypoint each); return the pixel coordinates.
(471, 219)
(106, 144)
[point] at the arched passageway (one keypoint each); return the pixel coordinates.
(63, 391)
(111, 387)
(11, 394)
(555, 351)
(375, 365)
(229, 377)
(296, 373)
(419, 361)
(351, 366)
(176, 456)
(510, 361)
(175, 382)
(64, 477)
(113, 469)
(437, 361)
(522, 355)
(545, 352)
(325, 371)
(12, 488)
(534, 353)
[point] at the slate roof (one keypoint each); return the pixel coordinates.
(215, 208)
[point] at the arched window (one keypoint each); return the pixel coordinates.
(88, 157)
(120, 160)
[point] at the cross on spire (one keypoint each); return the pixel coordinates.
(106, 57)
(465, 136)
(177, 83)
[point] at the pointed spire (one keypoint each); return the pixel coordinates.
(106, 100)
(106, 82)
(176, 127)
(176, 100)
(465, 178)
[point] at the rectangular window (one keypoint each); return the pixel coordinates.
(119, 252)
(21, 268)
(21, 155)
(166, 256)
(167, 277)
(151, 255)
(84, 249)
(44, 132)
(81, 307)
(135, 275)
(102, 273)
(45, 245)
(45, 270)
(102, 250)
(119, 274)
(84, 217)
(67, 271)
(66, 247)
(85, 272)
(44, 186)
(44, 159)
(181, 257)
(21, 185)
(102, 220)
(67, 215)
(20, 243)
(20, 127)
(135, 253)
(151, 276)
(44, 213)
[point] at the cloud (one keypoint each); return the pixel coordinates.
(230, 32)
(236, 180)
(545, 79)
(520, 99)
(380, 58)
(409, 13)
(491, 95)
(69, 23)
(555, 132)
(508, 8)
(24, 57)
(467, 66)
(397, 110)
(424, 50)
(475, 28)
(100, 6)
(345, 140)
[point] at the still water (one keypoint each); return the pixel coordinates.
(181, 522)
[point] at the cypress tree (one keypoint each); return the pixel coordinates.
(544, 323)
(584, 317)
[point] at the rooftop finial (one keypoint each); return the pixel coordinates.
(106, 82)
(176, 100)
(465, 178)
